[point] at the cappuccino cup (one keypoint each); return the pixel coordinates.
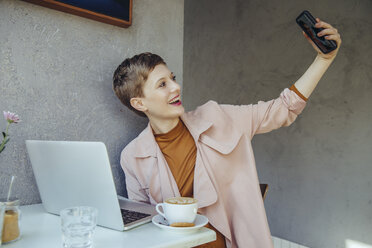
(178, 210)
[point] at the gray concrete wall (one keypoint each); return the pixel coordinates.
(56, 73)
(320, 169)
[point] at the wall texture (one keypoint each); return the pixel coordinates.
(56, 73)
(319, 169)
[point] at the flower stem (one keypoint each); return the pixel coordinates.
(4, 139)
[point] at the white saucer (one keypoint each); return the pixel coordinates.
(199, 222)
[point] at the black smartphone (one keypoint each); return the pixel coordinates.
(307, 22)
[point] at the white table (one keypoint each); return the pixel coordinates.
(43, 230)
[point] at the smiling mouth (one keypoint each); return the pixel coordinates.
(176, 101)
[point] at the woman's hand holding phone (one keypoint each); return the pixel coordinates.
(322, 36)
(329, 33)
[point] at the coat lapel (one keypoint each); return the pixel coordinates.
(220, 136)
(162, 183)
(168, 184)
(217, 133)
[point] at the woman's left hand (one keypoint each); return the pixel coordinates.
(329, 33)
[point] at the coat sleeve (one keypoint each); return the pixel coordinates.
(134, 189)
(264, 117)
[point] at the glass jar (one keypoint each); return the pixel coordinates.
(11, 222)
(2, 211)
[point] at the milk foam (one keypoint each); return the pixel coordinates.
(181, 200)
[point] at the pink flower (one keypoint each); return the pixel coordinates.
(11, 117)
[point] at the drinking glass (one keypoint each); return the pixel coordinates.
(78, 224)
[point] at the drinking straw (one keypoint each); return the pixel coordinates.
(10, 188)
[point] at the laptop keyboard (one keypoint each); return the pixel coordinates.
(131, 216)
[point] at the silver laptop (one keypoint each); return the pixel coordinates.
(74, 173)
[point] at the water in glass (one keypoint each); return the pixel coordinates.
(78, 225)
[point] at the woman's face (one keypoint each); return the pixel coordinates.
(162, 95)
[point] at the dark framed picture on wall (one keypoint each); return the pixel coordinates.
(114, 12)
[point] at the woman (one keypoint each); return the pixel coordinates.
(206, 153)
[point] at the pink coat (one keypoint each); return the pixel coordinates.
(225, 182)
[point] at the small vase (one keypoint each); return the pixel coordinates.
(11, 217)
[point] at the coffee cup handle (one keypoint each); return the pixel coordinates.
(158, 210)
